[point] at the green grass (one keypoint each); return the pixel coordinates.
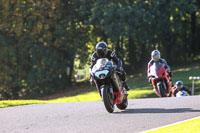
(192, 126)
(9, 103)
(140, 88)
(89, 96)
(184, 74)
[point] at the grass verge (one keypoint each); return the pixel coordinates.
(191, 126)
(9, 103)
(140, 88)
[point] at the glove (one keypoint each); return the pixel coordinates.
(170, 73)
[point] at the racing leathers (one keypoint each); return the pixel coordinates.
(163, 61)
(175, 90)
(110, 56)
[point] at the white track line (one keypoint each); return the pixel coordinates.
(171, 124)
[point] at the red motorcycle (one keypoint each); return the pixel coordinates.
(159, 78)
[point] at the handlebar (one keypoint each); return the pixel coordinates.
(116, 68)
(151, 76)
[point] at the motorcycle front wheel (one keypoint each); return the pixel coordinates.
(107, 99)
(161, 90)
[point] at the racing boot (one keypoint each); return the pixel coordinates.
(126, 86)
(123, 78)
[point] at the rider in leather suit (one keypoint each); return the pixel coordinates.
(179, 87)
(102, 51)
(155, 57)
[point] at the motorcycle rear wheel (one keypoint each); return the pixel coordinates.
(107, 99)
(123, 105)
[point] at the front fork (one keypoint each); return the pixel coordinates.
(111, 92)
(167, 87)
(99, 89)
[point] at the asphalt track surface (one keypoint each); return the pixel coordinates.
(92, 117)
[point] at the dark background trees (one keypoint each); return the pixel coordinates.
(40, 40)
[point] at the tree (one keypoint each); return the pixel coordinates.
(44, 38)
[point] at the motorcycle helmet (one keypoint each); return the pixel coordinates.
(101, 49)
(179, 84)
(155, 55)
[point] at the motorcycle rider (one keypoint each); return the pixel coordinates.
(179, 87)
(155, 57)
(102, 51)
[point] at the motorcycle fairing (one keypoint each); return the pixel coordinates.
(101, 74)
(157, 70)
(158, 74)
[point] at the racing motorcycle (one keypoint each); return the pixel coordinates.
(107, 79)
(159, 78)
(182, 93)
(179, 92)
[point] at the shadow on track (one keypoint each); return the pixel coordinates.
(156, 110)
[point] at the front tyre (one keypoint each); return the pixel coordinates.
(107, 99)
(123, 105)
(161, 90)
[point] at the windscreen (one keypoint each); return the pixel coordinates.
(156, 69)
(99, 64)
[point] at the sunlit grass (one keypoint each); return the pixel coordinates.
(192, 126)
(140, 88)
(183, 74)
(141, 94)
(8, 103)
(90, 96)
(182, 69)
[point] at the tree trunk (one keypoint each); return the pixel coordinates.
(131, 54)
(122, 48)
(117, 48)
(193, 38)
(168, 47)
(104, 37)
(71, 69)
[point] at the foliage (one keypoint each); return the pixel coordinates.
(41, 40)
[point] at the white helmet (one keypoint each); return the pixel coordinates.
(155, 55)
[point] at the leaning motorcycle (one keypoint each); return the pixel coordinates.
(109, 85)
(159, 78)
(182, 93)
